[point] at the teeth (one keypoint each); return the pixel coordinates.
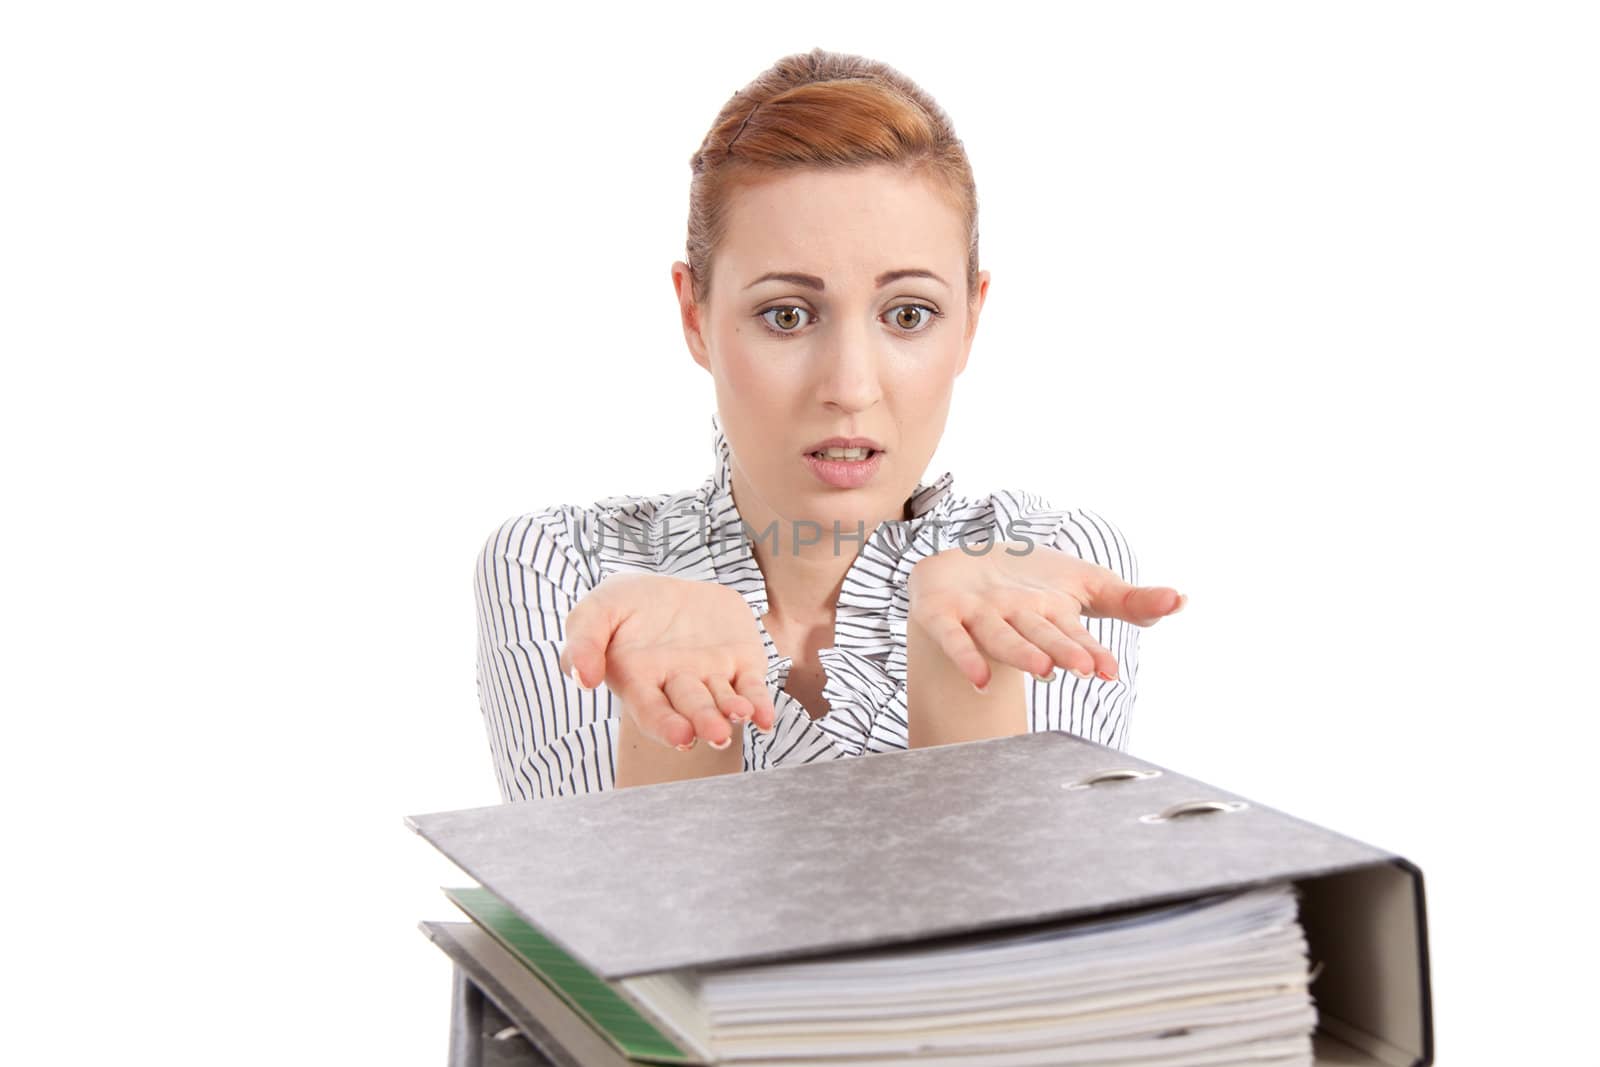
(844, 453)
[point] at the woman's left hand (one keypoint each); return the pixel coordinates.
(1023, 609)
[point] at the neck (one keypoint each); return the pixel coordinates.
(802, 580)
(803, 589)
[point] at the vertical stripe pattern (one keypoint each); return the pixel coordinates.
(550, 738)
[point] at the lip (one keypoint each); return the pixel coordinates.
(844, 442)
(844, 473)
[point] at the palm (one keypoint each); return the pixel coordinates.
(680, 634)
(685, 657)
(1024, 609)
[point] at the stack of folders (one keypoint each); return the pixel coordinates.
(1217, 979)
(1033, 899)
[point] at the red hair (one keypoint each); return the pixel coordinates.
(823, 110)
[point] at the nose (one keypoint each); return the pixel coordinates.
(848, 371)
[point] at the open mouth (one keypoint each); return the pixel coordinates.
(845, 455)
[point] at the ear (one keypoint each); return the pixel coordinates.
(690, 313)
(972, 319)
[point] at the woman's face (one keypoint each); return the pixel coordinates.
(839, 346)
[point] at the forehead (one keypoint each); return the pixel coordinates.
(850, 223)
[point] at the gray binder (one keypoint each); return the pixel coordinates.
(941, 842)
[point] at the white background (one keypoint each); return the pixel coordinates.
(1302, 297)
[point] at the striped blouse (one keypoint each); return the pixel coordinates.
(550, 738)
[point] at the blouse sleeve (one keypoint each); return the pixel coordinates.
(1091, 708)
(548, 737)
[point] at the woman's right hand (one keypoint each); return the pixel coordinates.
(684, 656)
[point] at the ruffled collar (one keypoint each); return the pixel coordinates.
(865, 670)
(889, 551)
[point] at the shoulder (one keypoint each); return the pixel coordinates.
(536, 545)
(580, 542)
(1017, 514)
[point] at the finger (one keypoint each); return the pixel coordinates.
(584, 661)
(1102, 662)
(730, 703)
(958, 646)
(1048, 636)
(1143, 605)
(657, 719)
(998, 640)
(589, 628)
(691, 699)
(753, 687)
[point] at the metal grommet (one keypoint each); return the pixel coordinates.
(1118, 775)
(1195, 807)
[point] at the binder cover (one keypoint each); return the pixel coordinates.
(559, 1035)
(597, 1004)
(939, 842)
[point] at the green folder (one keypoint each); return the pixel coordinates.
(584, 991)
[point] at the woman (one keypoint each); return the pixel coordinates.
(812, 598)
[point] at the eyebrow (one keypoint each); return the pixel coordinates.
(811, 281)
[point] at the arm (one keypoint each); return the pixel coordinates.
(551, 736)
(548, 737)
(1028, 607)
(668, 643)
(642, 760)
(673, 651)
(1095, 708)
(943, 707)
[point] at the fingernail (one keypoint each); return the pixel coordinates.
(1182, 600)
(1047, 677)
(726, 741)
(1080, 674)
(979, 688)
(1107, 677)
(685, 748)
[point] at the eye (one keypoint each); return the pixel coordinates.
(923, 317)
(910, 318)
(788, 321)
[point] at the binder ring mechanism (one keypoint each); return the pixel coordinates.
(1194, 807)
(1118, 775)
